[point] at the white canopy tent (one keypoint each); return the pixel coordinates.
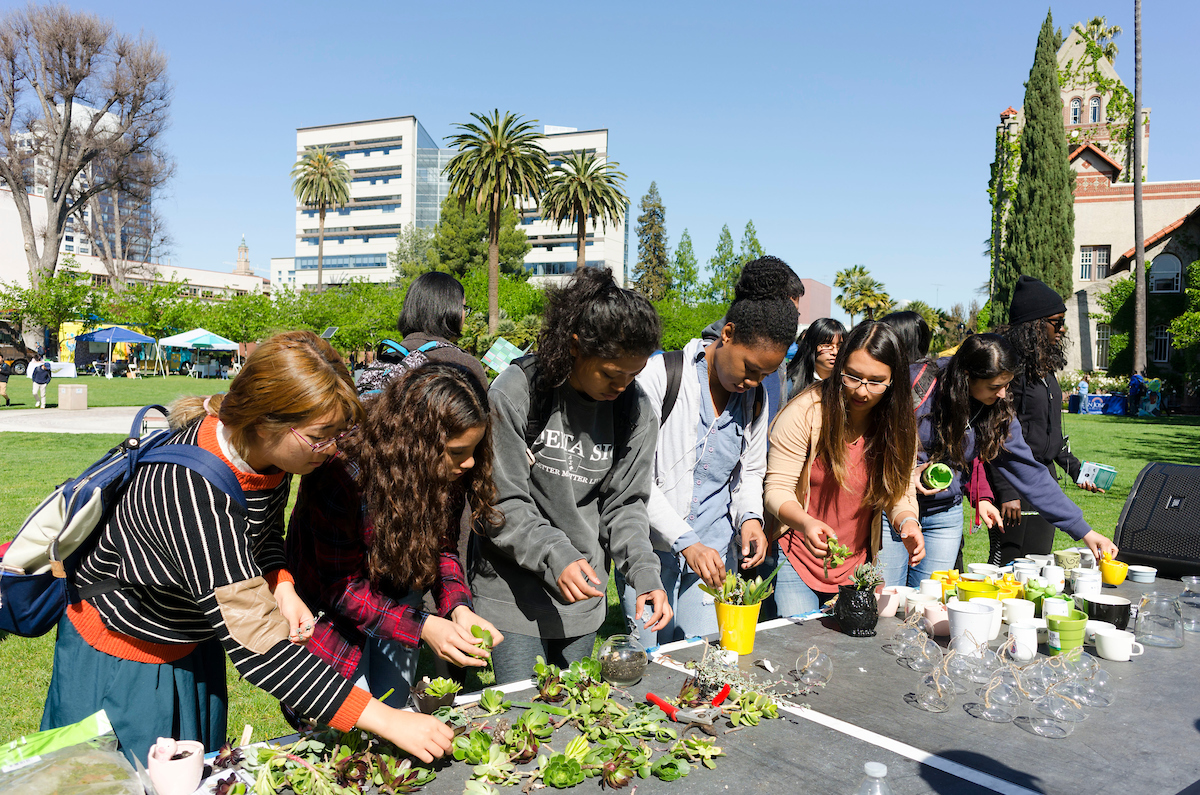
(199, 338)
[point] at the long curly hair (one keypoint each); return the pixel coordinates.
(1039, 356)
(399, 452)
(891, 436)
(601, 318)
(980, 356)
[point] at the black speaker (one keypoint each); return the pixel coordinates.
(1160, 523)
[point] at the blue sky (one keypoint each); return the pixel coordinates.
(849, 132)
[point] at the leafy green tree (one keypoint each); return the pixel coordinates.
(242, 318)
(685, 273)
(751, 249)
(725, 266)
(853, 284)
(581, 188)
(683, 322)
(1040, 228)
(652, 274)
(460, 245)
(58, 297)
(321, 180)
(498, 161)
(149, 306)
(414, 247)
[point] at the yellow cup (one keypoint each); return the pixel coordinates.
(1113, 572)
(738, 624)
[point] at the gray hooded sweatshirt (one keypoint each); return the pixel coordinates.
(575, 501)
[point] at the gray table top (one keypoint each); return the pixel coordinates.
(1144, 743)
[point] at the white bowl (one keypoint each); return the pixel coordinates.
(1142, 573)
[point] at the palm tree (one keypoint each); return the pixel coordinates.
(581, 187)
(321, 180)
(851, 282)
(1099, 31)
(498, 160)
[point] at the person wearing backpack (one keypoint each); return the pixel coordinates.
(39, 373)
(706, 508)
(376, 528)
(5, 372)
(182, 574)
(574, 448)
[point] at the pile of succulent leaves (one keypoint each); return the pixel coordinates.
(612, 742)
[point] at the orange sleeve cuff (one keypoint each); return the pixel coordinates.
(277, 576)
(351, 710)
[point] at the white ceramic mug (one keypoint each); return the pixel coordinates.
(1085, 585)
(931, 588)
(1023, 640)
(986, 569)
(1117, 644)
(1055, 575)
(1055, 606)
(1092, 627)
(997, 613)
(1025, 571)
(1017, 610)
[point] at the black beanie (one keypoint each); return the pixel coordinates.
(1033, 299)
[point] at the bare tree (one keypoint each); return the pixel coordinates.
(82, 112)
(125, 231)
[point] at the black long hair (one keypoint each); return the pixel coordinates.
(913, 331)
(602, 319)
(891, 435)
(433, 305)
(1040, 358)
(979, 356)
(802, 369)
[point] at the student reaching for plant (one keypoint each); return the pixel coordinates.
(706, 513)
(842, 453)
(574, 449)
(377, 526)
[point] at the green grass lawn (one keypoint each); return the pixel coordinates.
(104, 392)
(31, 464)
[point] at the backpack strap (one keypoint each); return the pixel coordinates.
(541, 401)
(673, 362)
(395, 346)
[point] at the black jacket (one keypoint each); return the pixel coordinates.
(41, 373)
(1039, 408)
(5, 372)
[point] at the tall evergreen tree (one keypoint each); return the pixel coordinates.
(652, 275)
(685, 272)
(725, 267)
(1040, 230)
(751, 249)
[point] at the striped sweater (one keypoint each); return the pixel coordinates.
(193, 566)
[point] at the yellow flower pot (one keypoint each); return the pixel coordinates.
(738, 624)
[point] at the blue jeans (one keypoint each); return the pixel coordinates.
(695, 613)
(943, 533)
(792, 595)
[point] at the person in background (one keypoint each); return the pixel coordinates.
(377, 527)
(842, 453)
(817, 349)
(5, 372)
(39, 373)
(706, 513)
(197, 576)
(573, 498)
(771, 276)
(1036, 329)
(433, 314)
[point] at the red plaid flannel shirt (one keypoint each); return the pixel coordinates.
(327, 543)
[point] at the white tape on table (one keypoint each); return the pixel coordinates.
(927, 758)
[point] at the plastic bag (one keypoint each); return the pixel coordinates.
(94, 767)
(41, 743)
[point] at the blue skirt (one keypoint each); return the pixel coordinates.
(185, 699)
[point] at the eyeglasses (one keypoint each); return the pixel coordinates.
(466, 311)
(322, 444)
(874, 387)
(1058, 323)
(828, 347)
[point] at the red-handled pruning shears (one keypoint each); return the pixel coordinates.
(707, 716)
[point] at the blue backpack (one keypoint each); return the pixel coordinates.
(37, 571)
(392, 360)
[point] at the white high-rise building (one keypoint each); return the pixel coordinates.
(397, 179)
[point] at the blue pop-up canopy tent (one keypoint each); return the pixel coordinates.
(112, 334)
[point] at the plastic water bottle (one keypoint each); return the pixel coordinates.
(876, 781)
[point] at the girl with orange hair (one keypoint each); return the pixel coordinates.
(182, 574)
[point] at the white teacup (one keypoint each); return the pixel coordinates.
(986, 569)
(1017, 610)
(931, 588)
(1042, 560)
(1023, 640)
(1026, 572)
(1086, 559)
(1117, 644)
(1092, 627)
(1055, 575)
(1054, 606)
(994, 631)
(915, 603)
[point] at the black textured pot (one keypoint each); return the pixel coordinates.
(857, 612)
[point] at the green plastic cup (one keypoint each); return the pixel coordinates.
(937, 476)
